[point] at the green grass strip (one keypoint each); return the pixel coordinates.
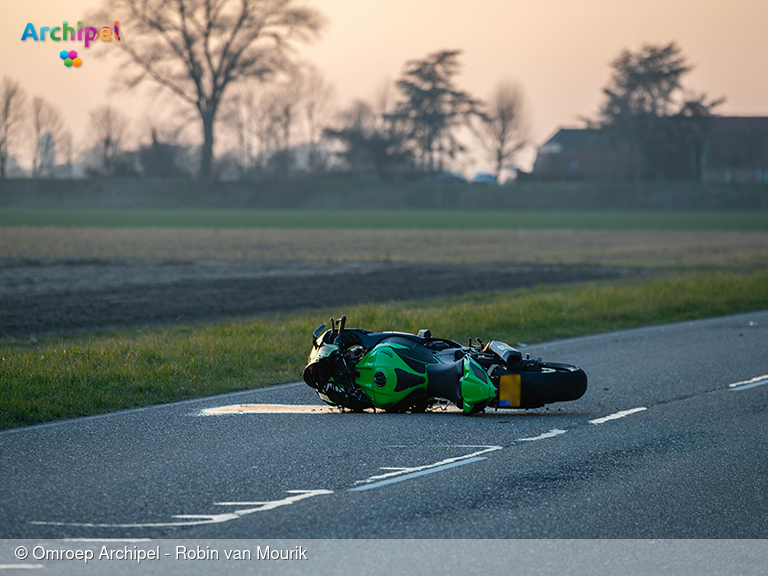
(198, 218)
(94, 373)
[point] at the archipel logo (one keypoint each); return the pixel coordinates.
(61, 33)
(70, 58)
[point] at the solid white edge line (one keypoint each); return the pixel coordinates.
(215, 398)
(21, 566)
(416, 474)
(617, 415)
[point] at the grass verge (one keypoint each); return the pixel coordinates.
(403, 219)
(86, 374)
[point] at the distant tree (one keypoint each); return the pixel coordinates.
(644, 95)
(269, 125)
(47, 131)
(12, 113)
(198, 49)
(372, 138)
(433, 107)
(108, 128)
(160, 158)
(502, 125)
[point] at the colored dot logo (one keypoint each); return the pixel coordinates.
(70, 58)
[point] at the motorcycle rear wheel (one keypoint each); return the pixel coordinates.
(551, 382)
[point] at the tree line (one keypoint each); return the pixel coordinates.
(233, 65)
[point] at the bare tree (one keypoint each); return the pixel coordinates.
(108, 127)
(373, 137)
(47, 129)
(502, 126)
(67, 151)
(197, 49)
(238, 117)
(268, 125)
(12, 110)
(317, 104)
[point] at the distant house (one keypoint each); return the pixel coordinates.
(735, 150)
(579, 154)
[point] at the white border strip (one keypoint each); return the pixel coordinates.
(617, 415)
(751, 383)
(748, 386)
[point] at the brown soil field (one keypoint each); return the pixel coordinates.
(58, 280)
(590, 247)
(44, 297)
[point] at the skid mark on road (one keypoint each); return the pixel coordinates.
(747, 384)
(617, 415)
(400, 474)
(199, 519)
(293, 409)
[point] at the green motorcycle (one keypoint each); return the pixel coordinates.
(356, 369)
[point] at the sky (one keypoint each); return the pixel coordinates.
(558, 50)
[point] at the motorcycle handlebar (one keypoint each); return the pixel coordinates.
(339, 337)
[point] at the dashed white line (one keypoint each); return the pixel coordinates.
(747, 384)
(617, 415)
(550, 434)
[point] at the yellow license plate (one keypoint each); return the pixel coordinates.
(509, 390)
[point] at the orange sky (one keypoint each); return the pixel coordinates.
(558, 50)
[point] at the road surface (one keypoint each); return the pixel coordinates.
(670, 441)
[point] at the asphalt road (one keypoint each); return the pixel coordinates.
(684, 456)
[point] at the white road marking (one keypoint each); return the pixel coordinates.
(413, 472)
(617, 415)
(21, 566)
(400, 471)
(551, 434)
(198, 519)
(417, 474)
(751, 383)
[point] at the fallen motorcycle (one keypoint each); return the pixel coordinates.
(356, 369)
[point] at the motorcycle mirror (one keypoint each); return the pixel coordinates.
(316, 333)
